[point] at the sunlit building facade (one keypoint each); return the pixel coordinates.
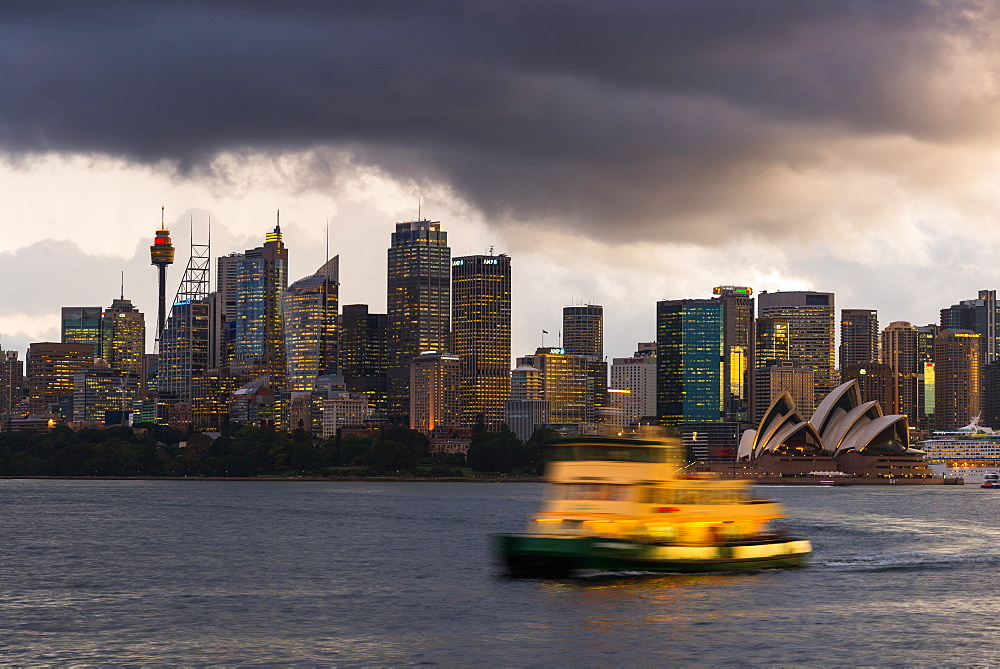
(311, 328)
(481, 335)
(899, 351)
(418, 301)
(690, 378)
(775, 377)
(738, 347)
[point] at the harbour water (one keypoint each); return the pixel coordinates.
(189, 572)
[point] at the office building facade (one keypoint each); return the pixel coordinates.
(811, 320)
(564, 383)
(957, 378)
(259, 346)
(434, 392)
(690, 343)
(859, 336)
(481, 335)
(311, 327)
(364, 353)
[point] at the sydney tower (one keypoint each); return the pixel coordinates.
(161, 254)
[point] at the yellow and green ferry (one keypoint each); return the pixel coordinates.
(624, 503)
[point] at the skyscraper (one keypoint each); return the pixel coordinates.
(957, 373)
(363, 353)
(128, 337)
(434, 392)
(899, 351)
(771, 340)
(11, 384)
(161, 254)
(926, 380)
(184, 340)
(583, 334)
(689, 361)
(637, 375)
(311, 328)
(858, 336)
(260, 338)
(979, 316)
(481, 335)
(811, 319)
(738, 348)
(419, 304)
(564, 383)
(223, 335)
(86, 325)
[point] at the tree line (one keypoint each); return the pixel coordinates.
(148, 449)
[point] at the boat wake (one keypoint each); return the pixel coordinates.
(904, 561)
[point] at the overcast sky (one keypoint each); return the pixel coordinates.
(619, 152)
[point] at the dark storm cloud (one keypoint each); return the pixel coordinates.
(606, 115)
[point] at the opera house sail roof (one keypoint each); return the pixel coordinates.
(841, 424)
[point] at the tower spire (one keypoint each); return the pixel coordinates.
(123, 285)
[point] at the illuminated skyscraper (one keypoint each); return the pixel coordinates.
(260, 339)
(418, 302)
(51, 368)
(858, 337)
(979, 316)
(161, 254)
(926, 380)
(583, 334)
(689, 361)
(183, 351)
(481, 335)
(98, 391)
(564, 383)
(226, 297)
(86, 325)
(311, 333)
(11, 384)
(128, 337)
(811, 320)
(957, 374)
(738, 330)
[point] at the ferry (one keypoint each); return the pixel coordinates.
(625, 504)
(971, 453)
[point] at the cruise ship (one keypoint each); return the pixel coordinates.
(968, 453)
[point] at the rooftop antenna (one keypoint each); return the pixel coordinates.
(328, 239)
(163, 225)
(278, 219)
(491, 249)
(419, 218)
(123, 285)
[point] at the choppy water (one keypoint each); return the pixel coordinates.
(397, 573)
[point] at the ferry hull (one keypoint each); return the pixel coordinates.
(554, 557)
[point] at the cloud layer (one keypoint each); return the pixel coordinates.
(678, 121)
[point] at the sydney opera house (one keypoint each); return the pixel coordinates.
(844, 437)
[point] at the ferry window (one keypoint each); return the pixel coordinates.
(607, 453)
(595, 491)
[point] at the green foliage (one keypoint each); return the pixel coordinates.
(387, 455)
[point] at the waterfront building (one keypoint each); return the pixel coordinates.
(51, 368)
(363, 353)
(127, 344)
(637, 375)
(957, 378)
(259, 346)
(738, 347)
(711, 441)
(564, 382)
(434, 392)
(899, 351)
(481, 335)
(86, 325)
(775, 377)
(418, 300)
(689, 361)
(343, 409)
(811, 318)
(161, 255)
(312, 340)
(859, 339)
(99, 391)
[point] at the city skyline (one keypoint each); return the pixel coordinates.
(784, 151)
